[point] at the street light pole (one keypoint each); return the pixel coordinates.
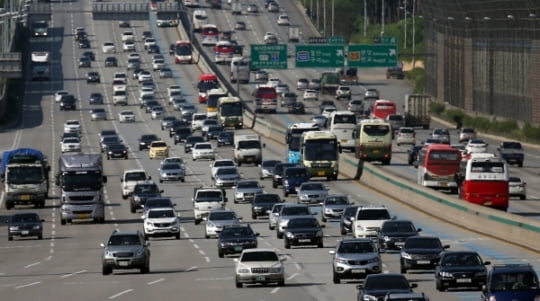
(413, 33)
(382, 18)
(405, 27)
(333, 15)
(365, 17)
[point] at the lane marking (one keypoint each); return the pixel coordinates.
(120, 293)
(27, 285)
(32, 264)
(193, 268)
(207, 258)
(275, 290)
(292, 276)
(73, 274)
(156, 281)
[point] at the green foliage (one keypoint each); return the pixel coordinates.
(436, 108)
(418, 77)
(531, 132)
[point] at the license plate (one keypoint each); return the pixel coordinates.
(83, 215)
(399, 243)
(375, 151)
(321, 173)
(423, 262)
(249, 159)
(25, 197)
(123, 263)
(304, 240)
(443, 184)
(358, 271)
(464, 280)
(238, 248)
(25, 232)
(343, 140)
(260, 278)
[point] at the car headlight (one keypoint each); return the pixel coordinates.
(13, 228)
(481, 274)
(286, 183)
(275, 270)
(370, 298)
(289, 235)
(406, 255)
(387, 238)
(319, 233)
(36, 227)
(327, 210)
(341, 260)
(303, 196)
(373, 260)
(149, 224)
(139, 252)
(239, 194)
(446, 275)
(210, 225)
(257, 207)
(243, 270)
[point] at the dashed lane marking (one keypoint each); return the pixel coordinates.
(27, 285)
(120, 293)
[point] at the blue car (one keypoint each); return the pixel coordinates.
(508, 282)
(293, 177)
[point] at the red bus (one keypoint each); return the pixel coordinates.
(223, 52)
(207, 81)
(483, 180)
(265, 99)
(183, 52)
(210, 35)
(382, 108)
(437, 166)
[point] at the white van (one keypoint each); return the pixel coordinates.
(240, 70)
(200, 18)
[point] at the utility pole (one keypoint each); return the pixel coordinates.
(413, 33)
(405, 27)
(382, 18)
(324, 17)
(333, 15)
(365, 18)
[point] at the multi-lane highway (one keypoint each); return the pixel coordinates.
(66, 264)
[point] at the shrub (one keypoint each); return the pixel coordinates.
(436, 108)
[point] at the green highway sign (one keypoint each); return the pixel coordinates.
(388, 40)
(326, 40)
(319, 56)
(269, 56)
(377, 55)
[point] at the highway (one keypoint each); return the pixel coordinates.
(66, 264)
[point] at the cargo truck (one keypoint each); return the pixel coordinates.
(294, 34)
(329, 82)
(25, 173)
(40, 66)
(416, 109)
(247, 149)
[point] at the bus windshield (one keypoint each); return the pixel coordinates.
(376, 130)
(231, 109)
(206, 85)
(320, 150)
(346, 119)
(183, 49)
(443, 156)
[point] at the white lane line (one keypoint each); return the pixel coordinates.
(120, 293)
(275, 290)
(32, 264)
(202, 252)
(292, 276)
(27, 285)
(207, 258)
(297, 266)
(155, 281)
(2, 274)
(72, 274)
(193, 268)
(196, 246)
(49, 257)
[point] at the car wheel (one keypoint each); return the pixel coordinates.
(285, 193)
(323, 219)
(274, 184)
(271, 227)
(177, 236)
(62, 222)
(220, 253)
(522, 197)
(105, 270)
(281, 283)
(279, 235)
(182, 180)
(335, 278)
(124, 196)
(287, 243)
(320, 244)
(238, 284)
(10, 238)
(253, 216)
(145, 270)
(160, 181)
(197, 221)
(133, 209)
(342, 230)
(402, 269)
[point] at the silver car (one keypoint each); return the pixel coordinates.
(302, 83)
(226, 176)
(266, 168)
(333, 206)
(245, 190)
(165, 73)
(312, 193)
(516, 187)
(320, 120)
(356, 106)
(171, 172)
(261, 76)
(371, 93)
(441, 134)
(288, 212)
(354, 258)
(217, 219)
(98, 114)
(167, 121)
(273, 215)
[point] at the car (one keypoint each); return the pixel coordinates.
(177, 160)
(206, 123)
(226, 176)
(327, 111)
(167, 122)
(84, 44)
(266, 168)
(98, 114)
(125, 250)
(73, 126)
(333, 206)
(240, 25)
(213, 132)
(203, 150)
(90, 55)
(430, 141)
(355, 258)
(190, 141)
(59, 94)
(165, 72)
(80, 34)
(143, 191)
(517, 187)
(108, 47)
(512, 152)
(343, 92)
(126, 116)
(181, 133)
(326, 103)
(120, 98)
(133, 64)
(476, 146)
(108, 140)
(188, 108)
(105, 133)
(178, 104)
(233, 239)
(225, 138)
(127, 36)
(157, 112)
(220, 163)
(161, 222)
(395, 72)
(246, 190)
(146, 34)
(146, 139)
(171, 172)
(262, 204)
(288, 212)
(405, 297)
(282, 88)
(217, 219)
(319, 120)
(406, 135)
(259, 266)
(393, 234)
(458, 269)
(158, 149)
(312, 193)
(371, 93)
(84, 62)
(252, 8)
(158, 202)
(292, 178)
(153, 48)
(272, 7)
(511, 281)
(261, 76)
(68, 102)
(93, 77)
(95, 98)
(345, 222)
(283, 19)
(117, 151)
(368, 220)
(197, 121)
(314, 84)
(376, 286)
(273, 215)
(302, 83)
(420, 252)
(303, 230)
(271, 39)
(355, 106)
(71, 144)
(124, 24)
(310, 94)
(277, 177)
(128, 46)
(442, 134)
(25, 224)
(460, 147)
(465, 134)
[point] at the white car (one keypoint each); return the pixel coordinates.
(144, 75)
(119, 85)
(120, 98)
(157, 112)
(269, 35)
(128, 36)
(149, 42)
(135, 56)
(217, 219)
(145, 90)
(174, 96)
(197, 120)
(158, 64)
(173, 89)
(310, 94)
(161, 222)
(126, 116)
(203, 150)
(58, 95)
(476, 146)
(220, 163)
(283, 20)
(273, 82)
(259, 266)
(128, 45)
(406, 135)
(70, 144)
(516, 187)
(178, 160)
(108, 47)
(72, 126)
(327, 111)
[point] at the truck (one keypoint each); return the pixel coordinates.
(236, 8)
(206, 199)
(81, 180)
(40, 28)
(247, 149)
(329, 82)
(348, 76)
(294, 34)
(416, 109)
(40, 65)
(25, 175)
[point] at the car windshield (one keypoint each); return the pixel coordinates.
(373, 214)
(398, 227)
(171, 166)
(124, 240)
(156, 203)
(160, 213)
(159, 144)
(302, 223)
(312, 187)
(203, 146)
(25, 218)
(208, 196)
(295, 211)
(296, 173)
(259, 256)
(220, 216)
(356, 247)
(336, 200)
(226, 171)
(513, 281)
(387, 283)
(461, 260)
(250, 184)
(266, 198)
(511, 145)
(145, 189)
(136, 176)
(229, 232)
(423, 243)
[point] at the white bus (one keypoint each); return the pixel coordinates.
(240, 70)
(342, 124)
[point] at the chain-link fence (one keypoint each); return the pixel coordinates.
(484, 56)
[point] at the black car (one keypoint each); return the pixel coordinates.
(190, 142)
(84, 44)
(111, 61)
(262, 203)
(376, 286)
(136, 72)
(460, 269)
(172, 49)
(69, 135)
(148, 105)
(95, 98)
(235, 238)
(187, 117)
(413, 154)
(146, 34)
(124, 24)
(181, 133)
(117, 151)
(142, 192)
(278, 173)
(345, 221)
(297, 108)
(303, 231)
(395, 72)
(153, 49)
(146, 140)
(68, 102)
(393, 233)
(81, 35)
(93, 77)
(213, 132)
(108, 141)
(24, 225)
(225, 138)
(176, 124)
(90, 55)
(420, 253)
(84, 62)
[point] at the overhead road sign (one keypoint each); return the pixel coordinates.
(167, 7)
(378, 55)
(10, 65)
(122, 11)
(269, 56)
(326, 40)
(319, 56)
